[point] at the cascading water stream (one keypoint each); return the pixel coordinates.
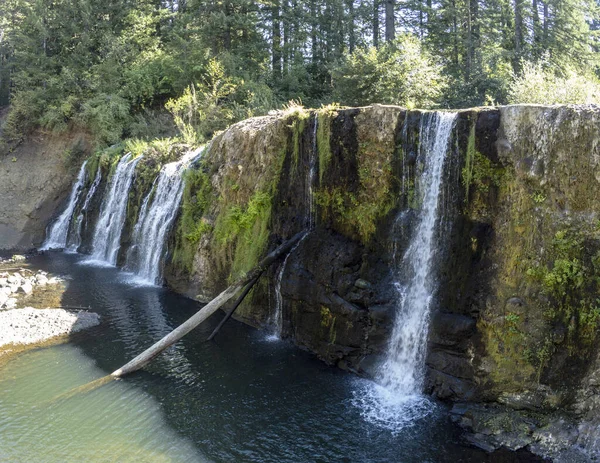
(107, 235)
(396, 400)
(156, 217)
(57, 237)
(277, 318)
(76, 241)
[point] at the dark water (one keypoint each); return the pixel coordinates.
(240, 399)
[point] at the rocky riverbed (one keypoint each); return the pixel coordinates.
(21, 282)
(30, 312)
(29, 325)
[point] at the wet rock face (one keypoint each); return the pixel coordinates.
(331, 305)
(517, 182)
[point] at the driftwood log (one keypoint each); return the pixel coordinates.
(234, 307)
(206, 311)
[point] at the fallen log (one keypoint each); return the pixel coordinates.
(206, 311)
(234, 307)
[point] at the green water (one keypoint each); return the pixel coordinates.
(117, 422)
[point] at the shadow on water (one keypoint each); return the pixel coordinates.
(239, 399)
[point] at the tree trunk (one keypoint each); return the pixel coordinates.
(375, 23)
(287, 26)
(313, 31)
(536, 26)
(518, 35)
(455, 33)
(206, 311)
(473, 36)
(237, 303)
(545, 26)
(469, 57)
(276, 40)
(390, 23)
(351, 31)
(227, 32)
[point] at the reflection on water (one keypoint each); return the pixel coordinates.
(241, 399)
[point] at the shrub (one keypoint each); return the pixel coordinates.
(106, 116)
(401, 73)
(543, 84)
(201, 110)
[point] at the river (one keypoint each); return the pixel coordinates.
(243, 398)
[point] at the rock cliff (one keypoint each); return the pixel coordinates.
(35, 178)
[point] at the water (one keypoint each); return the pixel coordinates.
(277, 318)
(107, 235)
(239, 400)
(397, 400)
(156, 217)
(76, 240)
(57, 237)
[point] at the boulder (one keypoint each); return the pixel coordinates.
(26, 288)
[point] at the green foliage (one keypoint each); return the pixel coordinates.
(545, 84)
(200, 111)
(512, 320)
(467, 171)
(106, 116)
(401, 73)
(538, 197)
(479, 172)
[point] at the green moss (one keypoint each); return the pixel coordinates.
(357, 214)
(467, 171)
(92, 167)
(297, 126)
(247, 228)
(326, 317)
(191, 226)
(572, 282)
(478, 175)
(324, 118)
(505, 341)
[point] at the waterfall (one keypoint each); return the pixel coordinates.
(57, 237)
(107, 235)
(158, 211)
(396, 400)
(79, 222)
(277, 318)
